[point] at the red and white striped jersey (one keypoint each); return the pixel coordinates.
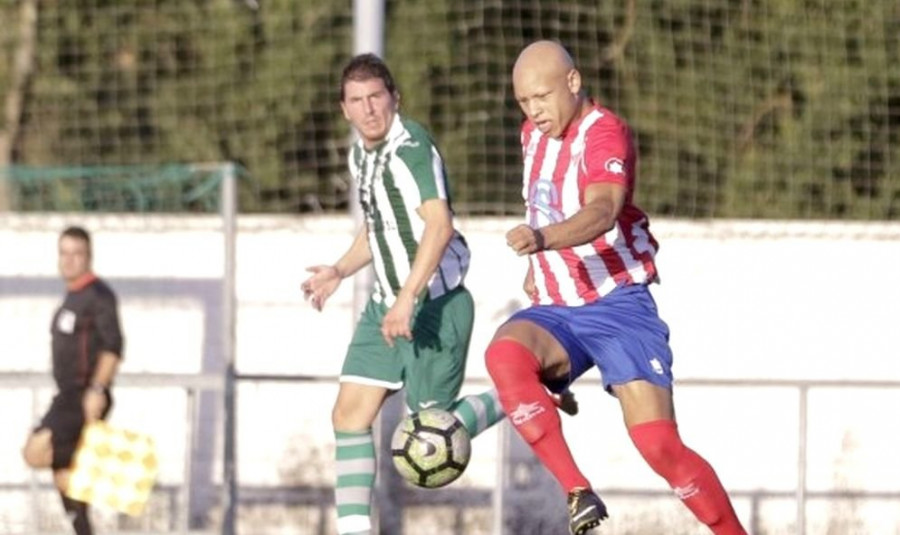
(597, 148)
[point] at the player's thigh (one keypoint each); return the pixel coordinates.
(369, 360)
(626, 339)
(38, 449)
(436, 366)
(64, 419)
(643, 401)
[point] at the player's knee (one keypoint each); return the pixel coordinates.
(30, 457)
(339, 417)
(510, 363)
(37, 453)
(657, 454)
(516, 374)
(352, 417)
(659, 444)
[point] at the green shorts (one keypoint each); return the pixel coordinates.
(431, 367)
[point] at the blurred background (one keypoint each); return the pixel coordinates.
(203, 144)
(742, 108)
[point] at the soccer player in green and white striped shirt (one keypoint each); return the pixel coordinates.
(415, 329)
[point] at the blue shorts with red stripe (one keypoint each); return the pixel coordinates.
(620, 333)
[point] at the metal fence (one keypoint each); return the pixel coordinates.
(513, 509)
(175, 498)
(510, 507)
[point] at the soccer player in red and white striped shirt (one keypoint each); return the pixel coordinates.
(590, 255)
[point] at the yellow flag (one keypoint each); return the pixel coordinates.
(114, 468)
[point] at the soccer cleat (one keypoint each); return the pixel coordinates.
(586, 510)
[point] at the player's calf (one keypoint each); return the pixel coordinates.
(478, 412)
(78, 514)
(690, 476)
(516, 374)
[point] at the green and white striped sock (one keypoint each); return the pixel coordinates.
(478, 412)
(355, 467)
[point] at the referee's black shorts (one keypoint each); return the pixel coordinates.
(65, 419)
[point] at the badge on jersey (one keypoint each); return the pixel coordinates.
(615, 166)
(65, 321)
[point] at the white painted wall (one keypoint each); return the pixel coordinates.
(764, 300)
(743, 299)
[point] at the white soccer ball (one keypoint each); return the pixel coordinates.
(430, 448)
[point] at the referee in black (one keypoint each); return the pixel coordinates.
(87, 349)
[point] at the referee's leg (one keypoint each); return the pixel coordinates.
(38, 450)
(39, 453)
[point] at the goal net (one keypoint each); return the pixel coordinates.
(750, 109)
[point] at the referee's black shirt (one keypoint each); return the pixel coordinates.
(85, 324)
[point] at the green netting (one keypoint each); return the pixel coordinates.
(140, 188)
(742, 108)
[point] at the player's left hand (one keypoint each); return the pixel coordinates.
(529, 286)
(93, 403)
(398, 320)
(525, 240)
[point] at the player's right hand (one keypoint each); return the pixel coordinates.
(397, 323)
(566, 402)
(319, 287)
(525, 240)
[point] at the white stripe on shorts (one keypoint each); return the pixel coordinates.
(358, 379)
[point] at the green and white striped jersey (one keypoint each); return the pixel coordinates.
(394, 179)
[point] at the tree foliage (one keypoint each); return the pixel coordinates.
(742, 108)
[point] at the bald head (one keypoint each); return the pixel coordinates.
(545, 57)
(548, 87)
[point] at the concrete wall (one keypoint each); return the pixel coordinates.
(744, 300)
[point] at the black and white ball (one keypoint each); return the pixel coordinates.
(430, 448)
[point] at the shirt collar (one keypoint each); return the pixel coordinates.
(81, 282)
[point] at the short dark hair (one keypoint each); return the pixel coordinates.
(79, 233)
(367, 66)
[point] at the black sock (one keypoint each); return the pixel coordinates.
(78, 513)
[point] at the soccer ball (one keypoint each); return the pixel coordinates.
(430, 448)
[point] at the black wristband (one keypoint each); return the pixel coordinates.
(538, 239)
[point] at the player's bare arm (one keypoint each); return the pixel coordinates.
(94, 401)
(437, 234)
(529, 286)
(325, 279)
(603, 203)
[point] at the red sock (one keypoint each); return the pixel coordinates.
(689, 475)
(516, 374)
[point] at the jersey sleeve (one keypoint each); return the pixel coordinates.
(609, 154)
(109, 331)
(425, 167)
